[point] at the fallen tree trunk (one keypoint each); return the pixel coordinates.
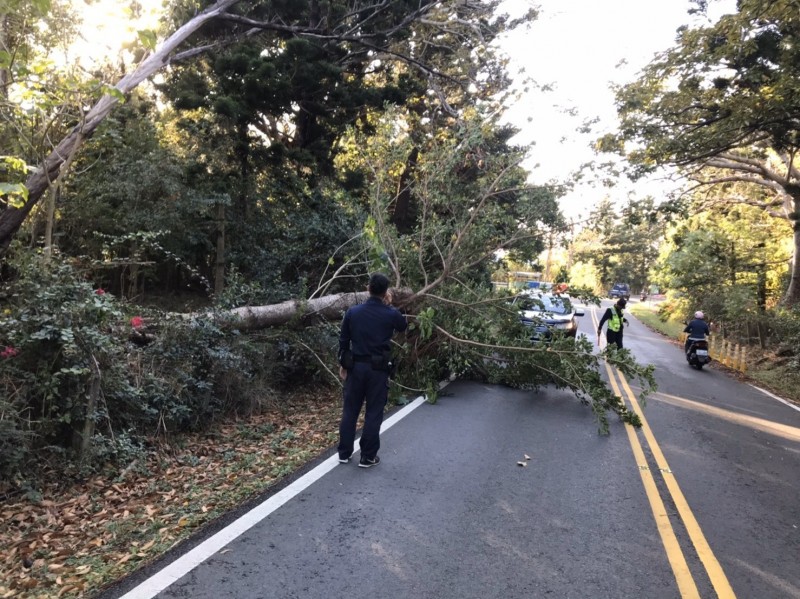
(329, 307)
(252, 318)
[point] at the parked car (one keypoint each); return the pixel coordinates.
(620, 290)
(547, 315)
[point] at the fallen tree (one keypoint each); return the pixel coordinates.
(327, 307)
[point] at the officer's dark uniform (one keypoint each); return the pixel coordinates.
(367, 331)
(615, 325)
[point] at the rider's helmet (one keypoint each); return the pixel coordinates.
(699, 315)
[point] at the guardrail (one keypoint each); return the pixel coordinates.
(725, 352)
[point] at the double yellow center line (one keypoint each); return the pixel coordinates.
(677, 560)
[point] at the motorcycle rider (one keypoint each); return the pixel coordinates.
(697, 330)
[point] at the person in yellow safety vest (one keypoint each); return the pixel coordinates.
(615, 323)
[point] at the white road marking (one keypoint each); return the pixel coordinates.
(773, 396)
(190, 560)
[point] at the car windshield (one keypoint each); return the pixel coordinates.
(545, 303)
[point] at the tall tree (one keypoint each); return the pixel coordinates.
(622, 243)
(729, 263)
(39, 98)
(723, 105)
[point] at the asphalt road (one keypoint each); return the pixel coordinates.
(702, 502)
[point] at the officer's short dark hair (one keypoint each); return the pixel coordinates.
(378, 284)
(621, 303)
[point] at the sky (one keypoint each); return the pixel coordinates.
(108, 24)
(580, 47)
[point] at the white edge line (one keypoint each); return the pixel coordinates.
(197, 555)
(773, 396)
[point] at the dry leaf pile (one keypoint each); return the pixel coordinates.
(80, 538)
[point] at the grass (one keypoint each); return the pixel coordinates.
(781, 379)
(648, 314)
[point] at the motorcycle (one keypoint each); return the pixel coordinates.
(697, 354)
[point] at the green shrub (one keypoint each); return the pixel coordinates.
(58, 334)
(82, 383)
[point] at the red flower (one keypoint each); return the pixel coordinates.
(9, 352)
(137, 321)
(100, 291)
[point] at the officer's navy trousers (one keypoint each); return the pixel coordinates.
(614, 338)
(363, 384)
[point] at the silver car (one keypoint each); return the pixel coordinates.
(547, 314)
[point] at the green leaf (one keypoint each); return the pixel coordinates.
(148, 38)
(114, 93)
(14, 164)
(17, 193)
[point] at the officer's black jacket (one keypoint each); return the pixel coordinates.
(367, 329)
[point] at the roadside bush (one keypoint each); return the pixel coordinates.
(82, 383)
(56, 331)
(786, 331)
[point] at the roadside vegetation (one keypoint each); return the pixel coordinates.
(648, 313)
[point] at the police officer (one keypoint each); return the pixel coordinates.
(615, 321)
(365, 356)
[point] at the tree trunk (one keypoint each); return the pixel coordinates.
(761, 292)
(5, 74)
(548, 258)
(50, 223)
(403, 216)
(219, 260)
(243, 154)
(328, 307)
(792, 297)
(82, 438)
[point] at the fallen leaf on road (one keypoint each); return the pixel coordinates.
(527, 457)
(523, 464)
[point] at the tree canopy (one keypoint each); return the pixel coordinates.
(722, 106)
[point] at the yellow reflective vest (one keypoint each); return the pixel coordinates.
(615, 322)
